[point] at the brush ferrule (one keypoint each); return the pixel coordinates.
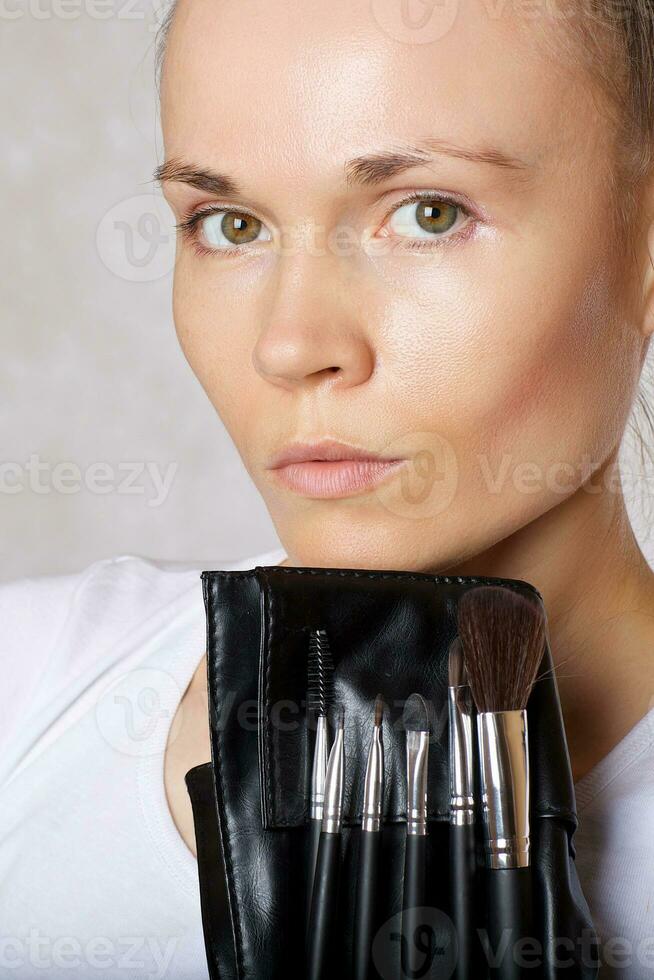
(319, 770)
(373, 785)
(504, 763)
(333, 811)
(461, 713)
(417, 744)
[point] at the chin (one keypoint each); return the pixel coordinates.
(343, 544)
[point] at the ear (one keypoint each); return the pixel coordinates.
(648, 279)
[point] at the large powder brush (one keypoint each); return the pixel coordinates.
(503, 638)
(503, 635)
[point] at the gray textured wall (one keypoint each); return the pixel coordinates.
(91, 372)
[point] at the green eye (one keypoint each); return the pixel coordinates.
(432, 217)
(230, 228)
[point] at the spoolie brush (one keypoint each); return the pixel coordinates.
(503, 636)
(320, 700)
(415, 719)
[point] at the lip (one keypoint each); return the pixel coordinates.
(327, 450)
(330, 468)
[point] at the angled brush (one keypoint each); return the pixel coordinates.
(369, 842)
(415, 719)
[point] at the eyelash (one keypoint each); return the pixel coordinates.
(189, 223)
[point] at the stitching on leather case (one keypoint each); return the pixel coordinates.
(270, 628)
(226, 842)
(511, 583)
(270, 754)
(400, 576)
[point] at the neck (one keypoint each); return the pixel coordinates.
(598, 592)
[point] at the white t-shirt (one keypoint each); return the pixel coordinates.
(95, 879)
(615, 852)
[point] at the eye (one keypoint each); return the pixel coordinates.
(215, 230)
(425, 218)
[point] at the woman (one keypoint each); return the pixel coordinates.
(421, 252)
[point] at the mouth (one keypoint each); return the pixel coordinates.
(330, 468)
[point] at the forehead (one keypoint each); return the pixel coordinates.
(275, 83)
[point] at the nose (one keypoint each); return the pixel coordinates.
(313, 329)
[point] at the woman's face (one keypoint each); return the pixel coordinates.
(485, 334)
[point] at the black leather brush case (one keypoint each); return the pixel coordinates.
(389, 633)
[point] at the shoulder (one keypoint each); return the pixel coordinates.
(56, 628)
(109, 597)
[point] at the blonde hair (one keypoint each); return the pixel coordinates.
(614, 41)
(624, 29)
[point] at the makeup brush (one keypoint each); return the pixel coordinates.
(325, 885)
(503, 637)
(462, 809)
(371, 825)
(320, 699)
(415, 719)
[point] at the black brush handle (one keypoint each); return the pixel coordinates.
(510, 919)
(462, 896)
(315, 826)
(364, 922)
(414, 939)
(323, 907)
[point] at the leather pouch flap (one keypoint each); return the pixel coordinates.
(384, 639)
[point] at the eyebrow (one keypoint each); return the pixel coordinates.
(374, 168)
(367, 170)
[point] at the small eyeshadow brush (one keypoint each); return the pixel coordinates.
(369, 841)
(503, 637)
(324, 901)
(320, 699)
(415, 720)
(462, 809)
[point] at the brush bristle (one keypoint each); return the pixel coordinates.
(379, 711)
(415, 717)
(456, 669)
(320, 673)
(503, 635)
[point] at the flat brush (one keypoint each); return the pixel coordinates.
(503, 637)
(320, 699)
(415, 720)
(461, 712)
(368, 865)
(324, 899)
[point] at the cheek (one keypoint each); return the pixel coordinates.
(213, 328)
(533, 367)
